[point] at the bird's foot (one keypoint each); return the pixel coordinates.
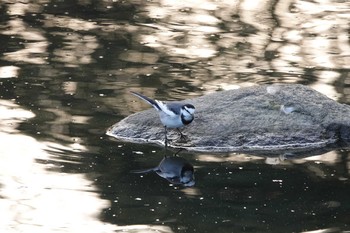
(182, 138)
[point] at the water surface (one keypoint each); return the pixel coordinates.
(66, 69)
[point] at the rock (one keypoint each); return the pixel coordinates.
(259, 118)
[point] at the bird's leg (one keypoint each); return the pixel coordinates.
(165, 142)
(166, 137)
(182, 136)
(176, 154)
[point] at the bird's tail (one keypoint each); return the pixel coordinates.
(148, 170)
(148, 100)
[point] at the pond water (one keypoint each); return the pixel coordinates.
(66, 71)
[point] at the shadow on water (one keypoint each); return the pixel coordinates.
(66, 69)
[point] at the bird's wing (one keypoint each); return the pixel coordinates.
(154, 103)
(166, 109)
(175, 107)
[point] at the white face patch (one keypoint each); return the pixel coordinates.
(190, 110)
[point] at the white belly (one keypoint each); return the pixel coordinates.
(169, 121)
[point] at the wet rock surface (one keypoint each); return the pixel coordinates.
(267, 117)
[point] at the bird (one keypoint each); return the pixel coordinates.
(174, 169)
(171, 114)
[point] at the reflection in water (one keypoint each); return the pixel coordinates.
(34, 199)
(37, 196)
(74, 63)
(257, 41)
(9, 71)
(176, 170)
(205, 46)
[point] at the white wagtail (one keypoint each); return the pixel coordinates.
(176, 170)
(172, 114)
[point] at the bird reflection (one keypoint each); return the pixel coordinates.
(174, 169)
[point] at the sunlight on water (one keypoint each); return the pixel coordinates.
(328, 230)
(331, 158)
(8, 71)
(35, 199)
(67, 68)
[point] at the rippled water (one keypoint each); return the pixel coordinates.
(66, 70)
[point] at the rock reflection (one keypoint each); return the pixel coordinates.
(325, 165)
(75, 60)
(174, 169)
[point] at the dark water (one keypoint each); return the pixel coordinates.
(66, 69)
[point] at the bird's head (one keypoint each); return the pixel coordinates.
(187, 175)
(188, 109)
